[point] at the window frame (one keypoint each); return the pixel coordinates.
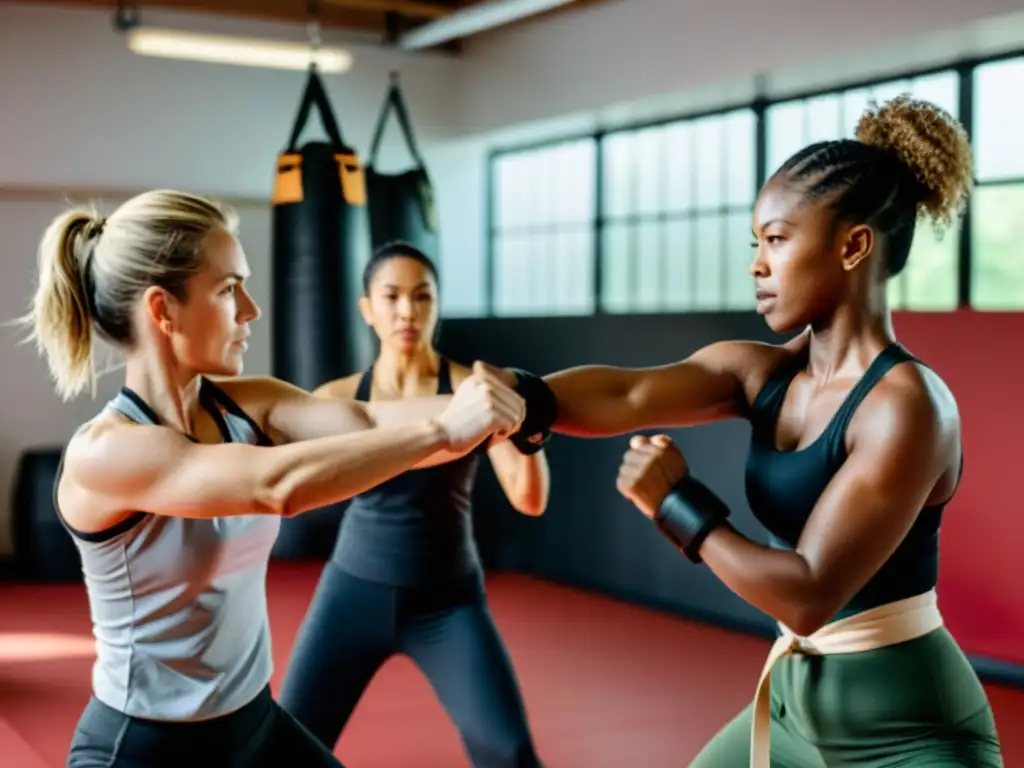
(964, 69)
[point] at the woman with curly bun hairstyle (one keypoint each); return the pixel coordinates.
(855, 452)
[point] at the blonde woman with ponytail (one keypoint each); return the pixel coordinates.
(174, 492)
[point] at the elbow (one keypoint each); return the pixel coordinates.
(530, 507)
(803, 623)
(274, 499)
(805, 617)
(532, 501)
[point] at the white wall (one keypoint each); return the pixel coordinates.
(624, 53)
(82, 115)
(80, 109)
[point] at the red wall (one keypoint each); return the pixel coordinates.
(981, 583)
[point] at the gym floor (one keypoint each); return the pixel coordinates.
(606, 684)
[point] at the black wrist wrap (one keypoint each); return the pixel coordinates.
(688, 514)
(541, 412)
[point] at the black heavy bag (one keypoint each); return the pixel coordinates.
(319, 244)
(319, 234)
(43, 548)
(401, 205)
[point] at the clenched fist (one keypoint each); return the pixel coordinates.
(649, 470)
(482, 405)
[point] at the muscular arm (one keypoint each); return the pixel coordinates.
(113, 469)
(899, 453)
(601, 400)
(291, 414)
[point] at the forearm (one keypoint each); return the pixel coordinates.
(775, 581)
(532, 484)
(394, 413)
(314, 473)
(391, 413)
(778, 582)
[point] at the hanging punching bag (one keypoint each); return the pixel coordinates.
(319, 242)
(401, 206)
(319, 224)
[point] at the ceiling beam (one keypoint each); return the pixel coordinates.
(410, 8)
(329, 16)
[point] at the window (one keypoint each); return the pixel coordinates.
(930, 279)
(543, 233)
(997, 208)
(657, 219)
(675, 216)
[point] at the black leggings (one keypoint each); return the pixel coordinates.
(354, 626)
(259, 735)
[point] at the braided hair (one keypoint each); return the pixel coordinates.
(910, 159)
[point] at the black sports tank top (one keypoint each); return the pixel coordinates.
(414, 529)
(784, 486)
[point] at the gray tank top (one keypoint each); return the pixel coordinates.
(179, 607)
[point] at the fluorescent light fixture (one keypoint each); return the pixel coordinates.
(472, 19)
(239, 51)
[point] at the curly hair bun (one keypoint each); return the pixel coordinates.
(932, 144)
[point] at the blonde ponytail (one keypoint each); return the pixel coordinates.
(93, 271)
(60, 317)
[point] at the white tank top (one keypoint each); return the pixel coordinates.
(179, 608)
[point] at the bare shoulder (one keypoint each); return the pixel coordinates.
(97, 441)
(111, 443)
(340, 389)
(105, 456)
(910, 421)
(751, 362)
(255, 395)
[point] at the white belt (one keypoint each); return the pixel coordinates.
(870, 630)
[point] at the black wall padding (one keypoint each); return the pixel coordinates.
(319, 242)
(401, 205)
(43, 548)
(590, 536)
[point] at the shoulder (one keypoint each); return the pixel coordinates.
(751, 363)
(261, 398)
(111, 445)
(99, 438)
(340, 389)
(912, 411)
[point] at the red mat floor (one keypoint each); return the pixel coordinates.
(598, 687)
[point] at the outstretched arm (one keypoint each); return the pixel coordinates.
(291, 414)
(899, 451)
(113, 469)
(601, 400)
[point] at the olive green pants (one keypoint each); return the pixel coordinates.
(914, 704)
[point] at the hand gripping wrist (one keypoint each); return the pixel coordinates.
(688, 513)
